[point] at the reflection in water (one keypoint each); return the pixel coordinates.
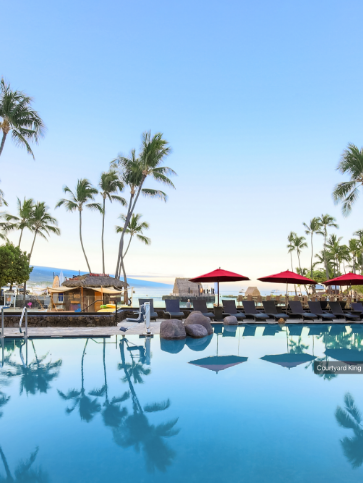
(112, 413)
(36, 376)
(350, 417)
(198, 344)
(136, 430)
(219, 363)
(24, 473)
(172, 346)
(87, 407)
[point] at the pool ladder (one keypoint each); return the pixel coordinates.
(24, 313)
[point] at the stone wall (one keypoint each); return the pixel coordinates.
(65, 320)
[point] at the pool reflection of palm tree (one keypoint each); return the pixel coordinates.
(24, 473)
(36, 376)
(297, 347)
(136, 431)
(350, 417)
(112, 413)
(88, 407)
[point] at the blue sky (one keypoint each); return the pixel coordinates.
(257, 99)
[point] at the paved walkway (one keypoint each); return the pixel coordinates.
(13, 332)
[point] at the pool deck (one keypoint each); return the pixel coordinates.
(138, 329)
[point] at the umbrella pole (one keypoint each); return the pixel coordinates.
(286, 298)
(218, 294)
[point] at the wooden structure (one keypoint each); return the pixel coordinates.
(183, 287)
(86, 293)
(253, 292)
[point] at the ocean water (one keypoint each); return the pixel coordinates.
(241, 405)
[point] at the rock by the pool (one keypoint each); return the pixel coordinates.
(172, 329)
(196, 331)
(230, 320)
(198, 318)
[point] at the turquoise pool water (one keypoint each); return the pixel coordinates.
(130, 410)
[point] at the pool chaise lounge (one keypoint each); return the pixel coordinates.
(315, 308)
(357, 308)
(272, 312)
(297, 309)
(337, 310)
(173, 310)
(231, 309)
(251, 311)
(201, 306)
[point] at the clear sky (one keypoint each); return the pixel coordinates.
(257, 98)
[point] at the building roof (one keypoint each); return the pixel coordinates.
(253, 291)
(94, 281)
(184, 286)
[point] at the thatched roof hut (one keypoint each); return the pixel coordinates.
(91, 280)
(182, 286)
(253, 292)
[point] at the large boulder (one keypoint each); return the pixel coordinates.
(172, 346)
(230, 320)
(198, 344)
(197, 318)
(172, 329)
(196, 330)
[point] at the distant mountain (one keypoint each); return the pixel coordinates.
(46, 274)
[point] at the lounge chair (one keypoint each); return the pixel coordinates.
(271, 310)
(153, 314)
(140, 318)
(315, 307)
(337, 310)
(297, 309)
(231, 309)
(173, 310)
(251, 311)
(201, 306)
(357, 308)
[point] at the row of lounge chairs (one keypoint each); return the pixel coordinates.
(173, 311)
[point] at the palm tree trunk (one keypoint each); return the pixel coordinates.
(80, 237)
(6, 466)
(31, 250)
(103, 233)
(312, 253)
(3, 142)
(21, 235)
(292, 269)
(325, 260)
(104, 368)
(128, 246)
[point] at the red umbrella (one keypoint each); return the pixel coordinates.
(287, 277)
(347, 279)
(219, 275)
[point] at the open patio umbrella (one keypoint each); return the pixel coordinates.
(219, 275)
(289, 360)
(346, 279)
(219, 363)
(287, 277)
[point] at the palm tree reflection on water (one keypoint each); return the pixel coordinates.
(350, 417)
(24, 472)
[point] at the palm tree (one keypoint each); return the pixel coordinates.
(23, 220)
(88, 407)
(326, 221)
(351, 163)
(355, 249)
(110, 183)
(337, 252)
(134, 171)
(18, 117)
(350, 417)
(84, 193)
(2, 201)
(42, 223)
(291, 237)
(134, 228)
(298, 243)
(313, 227)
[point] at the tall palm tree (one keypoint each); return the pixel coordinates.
(23, 471)
(313, 227)
(135, 171)
(18, 117)
(337, 252)
(42, 223)
(326, 221)
(23, 220)
(350, 417)
(84, 193)
(351, 163)
(292, 235)
(298, 243)
(135, 228)
(110, 183)
(355, 249)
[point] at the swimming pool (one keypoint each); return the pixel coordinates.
(242, 405)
